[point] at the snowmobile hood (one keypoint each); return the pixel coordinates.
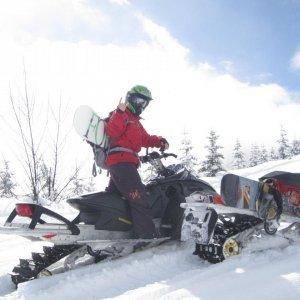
(286, 177)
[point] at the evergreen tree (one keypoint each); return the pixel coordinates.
(255, 155)
(284, 148)
(273, 155)
(295, 148)
(89, 187)
(213, 163)
(186, 156)
(238, 156)
(264, 157)
(77, 184)
(7, 184)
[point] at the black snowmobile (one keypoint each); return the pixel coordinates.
(103, 227)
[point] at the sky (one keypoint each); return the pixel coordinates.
(254, 40)
(222, 65)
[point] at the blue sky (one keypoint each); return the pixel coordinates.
(253, 40)
(259, 37)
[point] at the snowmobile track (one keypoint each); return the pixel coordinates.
(29, 269)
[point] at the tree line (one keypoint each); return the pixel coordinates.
(214, 160)
(76, 184)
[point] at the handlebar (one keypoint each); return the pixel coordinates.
(155, 155)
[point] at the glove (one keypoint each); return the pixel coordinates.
(164, 145)
(121, 106)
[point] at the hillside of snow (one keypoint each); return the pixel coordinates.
(169, 271)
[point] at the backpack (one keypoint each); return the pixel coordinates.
(101, 151)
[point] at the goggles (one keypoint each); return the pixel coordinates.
(141, 102)
(269, 181)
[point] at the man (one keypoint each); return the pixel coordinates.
(128, 136)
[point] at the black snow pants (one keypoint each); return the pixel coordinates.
(125, 178)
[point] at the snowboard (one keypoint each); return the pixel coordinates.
(90, 126)
(240, 192)
(247, 194)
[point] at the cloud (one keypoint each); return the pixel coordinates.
(295, 61)
(50, 19)
(227, 65)
(120, 2)
(194, 96)
(264, 76)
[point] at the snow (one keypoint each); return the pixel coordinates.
(169, 271)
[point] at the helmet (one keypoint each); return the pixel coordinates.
(141, 91)
(138, 98)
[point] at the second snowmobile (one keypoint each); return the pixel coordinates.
(103, 227)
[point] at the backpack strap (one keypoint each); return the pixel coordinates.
(121, 149)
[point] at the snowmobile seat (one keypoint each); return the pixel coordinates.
(105, 210)
(98, 202)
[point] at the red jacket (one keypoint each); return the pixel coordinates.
(125, 130)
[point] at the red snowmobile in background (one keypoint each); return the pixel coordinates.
(288, 184)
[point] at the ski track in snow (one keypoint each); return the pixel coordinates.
(169, 271)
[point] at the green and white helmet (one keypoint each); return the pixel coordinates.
(138, 98)
(142, 91)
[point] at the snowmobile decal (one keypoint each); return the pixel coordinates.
(125, 221)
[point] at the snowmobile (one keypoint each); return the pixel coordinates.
(103, 226)
(288, 185)
(250, 213)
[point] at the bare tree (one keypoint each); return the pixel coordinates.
(40, 161)
(23, 112)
